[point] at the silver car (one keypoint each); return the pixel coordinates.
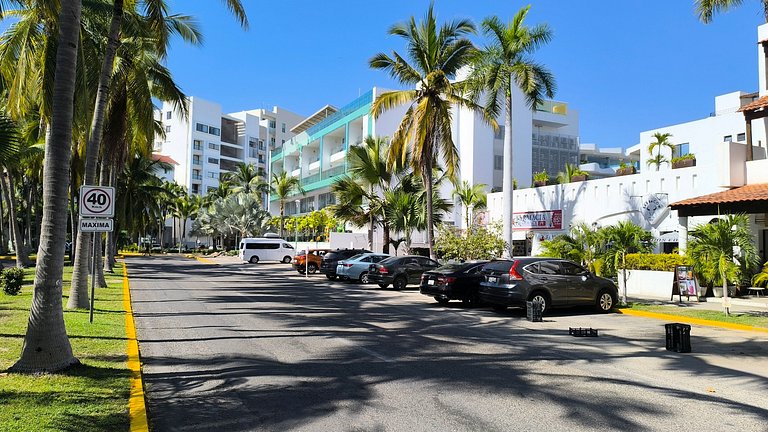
(356, 267)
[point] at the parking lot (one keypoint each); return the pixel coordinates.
(235, 346)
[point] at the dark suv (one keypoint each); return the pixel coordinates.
(332, 258)
(400, 271)
(554, 282)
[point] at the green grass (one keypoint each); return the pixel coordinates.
(750, 319)
(89, 397)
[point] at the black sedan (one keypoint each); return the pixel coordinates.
(400, 271)
(453, 282)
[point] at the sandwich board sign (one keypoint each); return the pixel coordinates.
(97, 201)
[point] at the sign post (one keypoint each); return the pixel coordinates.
(97, 207)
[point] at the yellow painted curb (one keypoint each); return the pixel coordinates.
(205, 260)
(137, 410)
(691, 320)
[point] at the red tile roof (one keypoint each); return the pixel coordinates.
(743, 194)
(752, 106)
(164, 158)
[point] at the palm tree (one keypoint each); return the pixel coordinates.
(566, 176)
(283, 186)
(46, 346)
(504, 63)
(471, 197)
(662, 142)
(247, 179)
(582, 245)
(621, 239)
(713, 249)
(434, 56)
(402, 212)
(706, 8)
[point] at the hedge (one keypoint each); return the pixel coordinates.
(658, 262)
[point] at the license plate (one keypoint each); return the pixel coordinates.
(492, 279)
(430, 282)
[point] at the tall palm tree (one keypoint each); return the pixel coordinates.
(621, 239)
(184, 208)
(707, 8)
(713, 248)
(661, 142)
(283, 186)
(434, 56)
(504, 63)
(247, 179)
(471, 197)
(402, 212)
(46, 346)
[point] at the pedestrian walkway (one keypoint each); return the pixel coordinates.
(745, 304)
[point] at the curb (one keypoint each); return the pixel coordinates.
(205, 260)
(691, 320)
(137, 410)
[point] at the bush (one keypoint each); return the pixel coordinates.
(12, 279)
(657, 262)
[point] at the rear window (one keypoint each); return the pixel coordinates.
(392, 260)
(503, 266)
(330, 256)
(355, 257)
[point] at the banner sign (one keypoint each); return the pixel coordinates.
(538, 220)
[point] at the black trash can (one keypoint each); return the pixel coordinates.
(678, 337)
(534, 310)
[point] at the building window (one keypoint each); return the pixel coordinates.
(741, 137)
(283, 127)
(498, 162)
(197, 145)
(272, 140)
(168, 115)
(728, 138)
(213, 161)
(214, 131)
(211, 189)
(272, 124)
(682, 149)
(158, 146)
(499, 133)
(213, 146)
(195, 160)
(201, 127)
(213, 175)
(326, 199)
(168, 129)
(283, 141)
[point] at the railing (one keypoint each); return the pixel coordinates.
(553, 107)
(311, 179)
(198, 147)
(196, 162)
(333, 172)
(345, 110)
(277, 152)
(197, 177)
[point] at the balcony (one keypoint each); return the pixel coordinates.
(296, 172)
(310, 179)
(277, 151)
(197, 176)
(553, 107)
(333, 172)
(196, 162)
(314, 166)
(339, 155)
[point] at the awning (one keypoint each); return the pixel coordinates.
(745, 199)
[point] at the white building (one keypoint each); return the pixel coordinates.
(719, 143)
(208, 142)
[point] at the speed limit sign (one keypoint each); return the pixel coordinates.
(97, 201)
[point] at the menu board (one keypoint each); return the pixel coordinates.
(685, 283)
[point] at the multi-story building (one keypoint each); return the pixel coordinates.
(603, 162)
(208, 143)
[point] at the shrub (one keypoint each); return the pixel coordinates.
(541, 176)
(12, 279)
(688, 156)
(658, 262)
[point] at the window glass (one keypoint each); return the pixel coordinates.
(168, 115)
(532, 268)
(502, 265)
(287, 246)
(366, 259)
(377, 258)
(572, 269)
(250, 246)
(549, 268)
(354, 257)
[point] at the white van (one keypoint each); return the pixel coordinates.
(253, 250)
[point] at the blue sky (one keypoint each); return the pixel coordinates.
(626, 66)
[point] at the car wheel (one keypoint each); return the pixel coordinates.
(442, 300)
(364, 277)
(605, 301)
(540, 297)
(312, 268)
(499, 308)
(399, 283)
(331, 277)
(286, 259)
(383, 285)
(254, 259)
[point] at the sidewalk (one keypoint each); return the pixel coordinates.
(746, 304)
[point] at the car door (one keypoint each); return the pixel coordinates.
(423, 264)
(578, 284)
(360, 266)
(552, 280)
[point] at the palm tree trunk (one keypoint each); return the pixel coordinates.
(3, 242)
(46, 345)
(22, 260)
(507, 184)
(282, 218)
(370, 227)
(97, 240)
(109, 252)
(385, 238)
(80, 270)
(427, 178)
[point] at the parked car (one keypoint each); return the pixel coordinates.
(331, 260)
(356, 267)
(458, 281)
(400, 271)
(315, 259)
(553, 282)
(257, 249)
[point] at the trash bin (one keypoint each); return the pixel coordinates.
(534, 310)
(678, 337)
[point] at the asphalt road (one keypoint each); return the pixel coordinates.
(243, 347)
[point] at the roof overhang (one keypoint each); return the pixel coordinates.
(745, 199)
(314, 119)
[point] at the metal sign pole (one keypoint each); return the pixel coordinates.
(93, 275)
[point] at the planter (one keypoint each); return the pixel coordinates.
(540, 183)
(579, 178)
(626, 171)
(718, 291)
(685, 163)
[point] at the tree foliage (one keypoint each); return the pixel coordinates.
(477, 243)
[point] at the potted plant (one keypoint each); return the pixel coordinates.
(540, 178)
(579, 175)
(684, 161)
(625, 169)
